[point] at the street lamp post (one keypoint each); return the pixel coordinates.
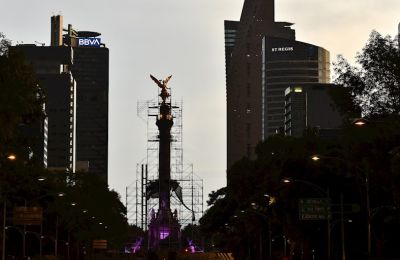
(58, 194)
(368, 213)
(56, 240)
(24, 233)
(269, 230)
(271, 201)
(325, 194)
(4, 229)
(10, 157)
(40, 241)
(362, 122)
(367, 188)
(342, 227)
(52, 239)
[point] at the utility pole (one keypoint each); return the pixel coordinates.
(328, 221)
(284, 245)
(40, 239)
(4, 229)
(269, 239)
(342, 226)
(367, 186)
(24, 236)
(55, 240)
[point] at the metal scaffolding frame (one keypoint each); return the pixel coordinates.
(137, 205)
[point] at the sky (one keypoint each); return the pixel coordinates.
(185, 38)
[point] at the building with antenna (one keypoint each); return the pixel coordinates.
(74, 70)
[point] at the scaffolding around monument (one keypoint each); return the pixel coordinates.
(138, 203)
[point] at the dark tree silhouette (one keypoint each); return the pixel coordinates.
(375, 82)
(21, 99)
(4, 44)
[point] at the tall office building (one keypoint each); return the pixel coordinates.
(243, 74)
(91, 73)
(56, 147)
(74, 74)
(260, 65)
(90, 69)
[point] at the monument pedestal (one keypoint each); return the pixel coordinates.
(164, 231)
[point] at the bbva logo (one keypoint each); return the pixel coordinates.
(89, 42)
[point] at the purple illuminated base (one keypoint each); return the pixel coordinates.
(164, 230)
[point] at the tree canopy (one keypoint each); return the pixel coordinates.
(257, 203)
(21, 99)
(375, 80)
(87, 210)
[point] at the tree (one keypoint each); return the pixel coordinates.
(91, 195)
(21, 99)
(354, 154)
(4, 44)
(373, 149)
(375, 83)
(89, 209)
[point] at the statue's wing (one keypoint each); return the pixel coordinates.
(156, 81)
(167, 79)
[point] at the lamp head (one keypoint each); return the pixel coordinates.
(360, 122)
(315, 158)
(12, 157)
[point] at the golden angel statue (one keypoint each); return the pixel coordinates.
(163, 85)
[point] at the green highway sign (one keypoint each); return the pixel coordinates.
(27, 216)
(314, 209)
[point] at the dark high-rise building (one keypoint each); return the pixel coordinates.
(90, 69)
(262, 60)
(74, 75)
(310, 106)
(58, 133)
(243, 74)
